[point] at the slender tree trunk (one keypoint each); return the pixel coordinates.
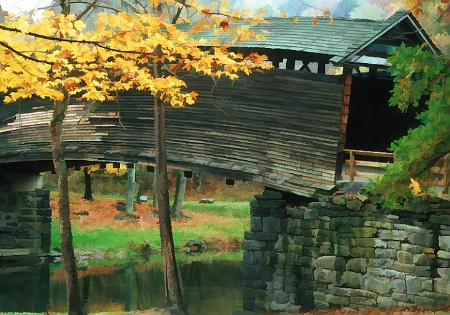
(140, 170)
(68, 257)
(180, 189)
(87, 185)
(155, 189)
(131, 172)
(172, 287)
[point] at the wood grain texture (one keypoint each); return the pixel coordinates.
(279, 129)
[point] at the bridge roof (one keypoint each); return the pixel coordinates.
(341, 40)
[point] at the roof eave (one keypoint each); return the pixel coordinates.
(414, 23)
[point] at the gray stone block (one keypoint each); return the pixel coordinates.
(401, 297)
(421, 239)
(424, 301)
(421, 259)
(394, 245)
(385, 253)
(443, 254)
(295, 213)
(408, 268)
(413, 285)
(352, 279)
(415, 249)
(248, 257)
(386, 302)
(337, 300)
(404, 257)
(328, 276)
(444, 242)
(254, 245)
(365, 252)
(358, 302)
(444, 273)
(380, 243)
(381, 263)
(427, 285)
(442, 286)
(399, 286)
(357, 265)
(378, 285)
(256, 224)
(271, 224)
(331, 263)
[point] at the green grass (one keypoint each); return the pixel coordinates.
(239, 210)
(231, 219)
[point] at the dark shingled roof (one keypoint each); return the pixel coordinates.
(339, 40)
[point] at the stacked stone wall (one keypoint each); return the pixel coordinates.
(25, 219)
(346, 254)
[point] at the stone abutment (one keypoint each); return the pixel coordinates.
(345, 254)
(25, 218)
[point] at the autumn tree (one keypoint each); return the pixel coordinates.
(56, 58)
(421, 79)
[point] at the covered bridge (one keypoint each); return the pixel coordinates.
(284, 129)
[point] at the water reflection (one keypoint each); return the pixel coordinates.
(212, 288)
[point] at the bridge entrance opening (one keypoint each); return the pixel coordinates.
(372, 124)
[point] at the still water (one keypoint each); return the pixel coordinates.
(209, 288)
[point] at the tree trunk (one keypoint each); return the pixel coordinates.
(155, 189)
(131, 172)
(172, 288)
(68, 257)
(180, 189)
(87, 185)
(140, 170)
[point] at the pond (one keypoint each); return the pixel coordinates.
(209, 288)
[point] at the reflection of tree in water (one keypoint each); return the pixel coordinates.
(86, 283)
(209, 288)
(128, 289)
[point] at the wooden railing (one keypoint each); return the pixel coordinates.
(440, 173)
(353, 162)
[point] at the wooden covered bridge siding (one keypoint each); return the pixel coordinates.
(279, 129)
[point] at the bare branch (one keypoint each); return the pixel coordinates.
(177, 15)
(24, 55)
(88, 8)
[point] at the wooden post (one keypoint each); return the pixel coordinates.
(290, 63)
(352, 167)
(344, 120)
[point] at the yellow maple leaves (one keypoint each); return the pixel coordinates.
(415, 187)
(57, 54)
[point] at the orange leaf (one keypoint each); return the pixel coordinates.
(175, 66)
(194, 95)
(326, 12)
(314, 22)
(224, 24)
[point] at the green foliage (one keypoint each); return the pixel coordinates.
(420, 78)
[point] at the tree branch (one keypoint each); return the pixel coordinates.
(25, 56)
(177, 15)
(89, 7)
